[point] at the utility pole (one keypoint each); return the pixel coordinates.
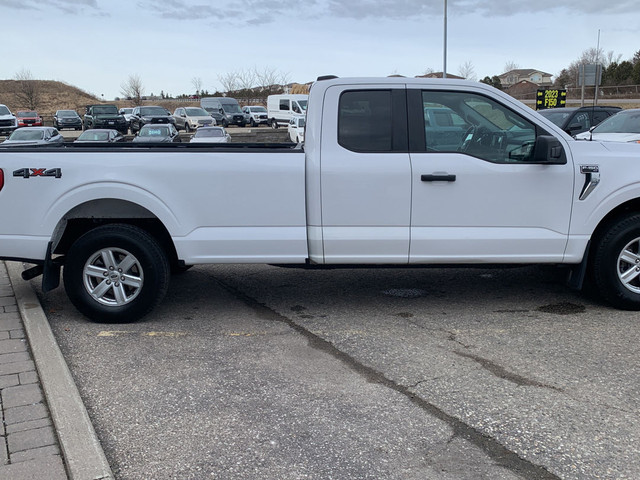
(444, 68)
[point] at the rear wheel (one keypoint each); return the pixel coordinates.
(116, 273)
(616, 263)
(274, 124)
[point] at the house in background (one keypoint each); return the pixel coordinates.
(439, 75)
(513, 77)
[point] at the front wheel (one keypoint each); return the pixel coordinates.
(616, 263)
(116, 273)
(187, 127)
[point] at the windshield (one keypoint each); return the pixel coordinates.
(231, 108)
(93, 136)
(623, 122)
(27, 113)
(67, 113)
(303, 104)
(196, 112)
(154, 132)
(258, 109)
(126, 111)
(556, 116)
(153, 111)
(209, 133)
(4, 110)
(105, 110)
(27, 134)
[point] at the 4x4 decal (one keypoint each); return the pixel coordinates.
(38, 172)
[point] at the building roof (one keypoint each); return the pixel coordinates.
(439, 75)
(524, 72)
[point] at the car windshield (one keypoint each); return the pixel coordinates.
(27, 113)
(105, 110)
(623, 122)
(93, 136)
(154, 132)
(209, 133)
(557, 116)
(303, 104)
(4, 110)
(126, 111)
(153, 111)
(196, 112)
(67, 113)
(27, 134)
(258, 109)
(231, 108)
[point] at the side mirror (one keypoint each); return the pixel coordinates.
(573, 128)
(548, 150)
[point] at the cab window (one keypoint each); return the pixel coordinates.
(475, 125)
(364, 121)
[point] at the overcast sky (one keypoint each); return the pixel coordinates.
(97, 44)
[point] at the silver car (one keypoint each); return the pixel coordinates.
(192, 118)
(34, 136)
(211, 135)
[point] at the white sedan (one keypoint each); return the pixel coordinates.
(210, 135)
(621, 127)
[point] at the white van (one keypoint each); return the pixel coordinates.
(282, 108)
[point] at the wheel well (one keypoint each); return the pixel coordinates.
(630, 207)
(90, 215)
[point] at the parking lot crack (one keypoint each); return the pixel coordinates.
(504, 374)
(496, 451)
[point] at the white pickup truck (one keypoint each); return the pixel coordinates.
(376, 182)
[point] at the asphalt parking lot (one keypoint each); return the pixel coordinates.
(253, 372)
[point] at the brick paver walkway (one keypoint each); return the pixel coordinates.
(29, 448)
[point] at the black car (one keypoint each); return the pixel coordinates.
(67, 119)
(142, 116)
(574, 120)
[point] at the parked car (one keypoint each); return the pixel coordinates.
(281, 108)
(151, 115)
(190, 118)
(257, 115)
(574, 120)
(101, 135)
(296, 129)
(228, 108)
(621, 127)
(126, 113)
(210, 135)
(104, 116)
(28, 118)
(158, 133)
(34, 136)
(8, 121)
(67, 119)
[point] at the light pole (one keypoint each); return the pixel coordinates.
(444, 68)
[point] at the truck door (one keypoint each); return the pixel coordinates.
(365, 175)
(483, 199)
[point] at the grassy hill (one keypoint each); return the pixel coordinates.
(53, 96)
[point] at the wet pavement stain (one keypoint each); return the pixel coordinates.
(562, 308)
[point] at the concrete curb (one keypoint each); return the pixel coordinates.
(81, 449)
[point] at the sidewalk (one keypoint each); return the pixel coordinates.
(45, 430)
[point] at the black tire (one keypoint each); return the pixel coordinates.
(252, 122)
(225, 124)
(274, 124)
(616, 263)
(145, 266)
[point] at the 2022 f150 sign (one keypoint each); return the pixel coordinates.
(393, 171)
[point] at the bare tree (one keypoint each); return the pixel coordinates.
(229, 81)
(511, 65)
(271, 79)
(132, 89)
(197, 84)
(467, 70)
(28, 89)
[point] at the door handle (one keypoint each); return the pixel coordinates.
(438, 178)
